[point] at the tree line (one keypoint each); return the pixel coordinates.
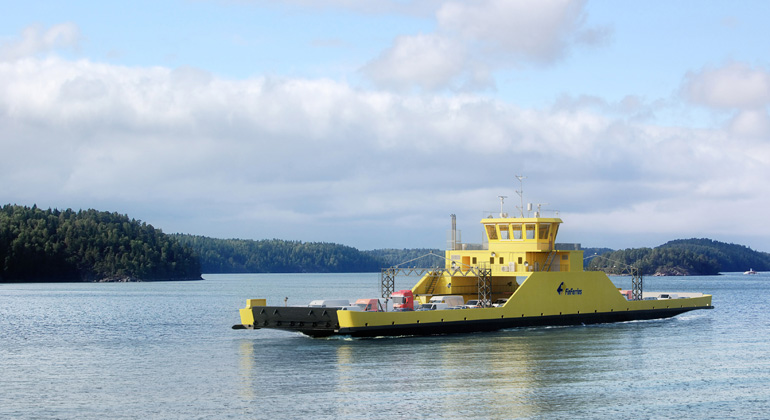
(283, 256)
(682, 257)
(276, 256)
(39, 245)
(88, 245)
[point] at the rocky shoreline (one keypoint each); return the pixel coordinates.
(130, 279)
(672, 271)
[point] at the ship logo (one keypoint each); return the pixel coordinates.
(568, 291)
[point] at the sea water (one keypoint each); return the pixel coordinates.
(166, 350)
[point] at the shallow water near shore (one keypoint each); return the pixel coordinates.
(166, 350)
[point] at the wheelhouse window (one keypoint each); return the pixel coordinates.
(505, 233)
(530, 230)
(491, 232)
(545, 228)
(516, 231)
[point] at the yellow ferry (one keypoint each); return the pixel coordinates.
(519, 278)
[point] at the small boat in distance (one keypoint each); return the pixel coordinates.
(519, 277)
(751, 271)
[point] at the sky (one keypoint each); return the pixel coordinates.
(367, 123)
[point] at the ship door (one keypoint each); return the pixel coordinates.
(466, 262)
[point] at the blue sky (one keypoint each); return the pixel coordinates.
(368, 123)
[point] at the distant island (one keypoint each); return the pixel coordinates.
(88, 245)
(681, 257)
(50, 245)
(685, 257)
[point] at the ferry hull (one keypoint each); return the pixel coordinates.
(486, 325)
(323, 323)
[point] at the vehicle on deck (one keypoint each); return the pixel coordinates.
(451, 301)
(369, 305)
(499, 302)
(403, 300)
(473, 303)
(432, 306)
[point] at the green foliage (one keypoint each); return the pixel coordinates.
(731, 257)
(53, 245)
(280, 256)
(88, 245)
(276, 256)
(597, 251)
(683, 257)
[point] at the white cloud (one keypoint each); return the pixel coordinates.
(751, 124)
(309, 159)
(734, 85)
(521, 30)
(36, 39)
(735, 88)
(473, 38)
(429, 61)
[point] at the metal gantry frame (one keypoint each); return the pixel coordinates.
(485, 286)
(387, 282)
(637, 284)
(388, 277)
(483, 274)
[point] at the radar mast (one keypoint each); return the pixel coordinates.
(520, 192)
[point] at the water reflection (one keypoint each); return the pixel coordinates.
(522, 373)
(247, 368)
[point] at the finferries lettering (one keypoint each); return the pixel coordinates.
(569, 290)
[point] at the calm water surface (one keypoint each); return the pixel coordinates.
(166, 350)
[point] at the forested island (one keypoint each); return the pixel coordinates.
(678, 257)
(682, 257)
(51, 245)
(88, 245)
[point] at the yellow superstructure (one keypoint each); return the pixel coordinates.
(517, 248)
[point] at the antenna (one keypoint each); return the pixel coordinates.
(520, 192)
(502, 198)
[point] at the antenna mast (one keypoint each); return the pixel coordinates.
(502, 198)
(520, 192)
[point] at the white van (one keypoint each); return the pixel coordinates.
(451, 301)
